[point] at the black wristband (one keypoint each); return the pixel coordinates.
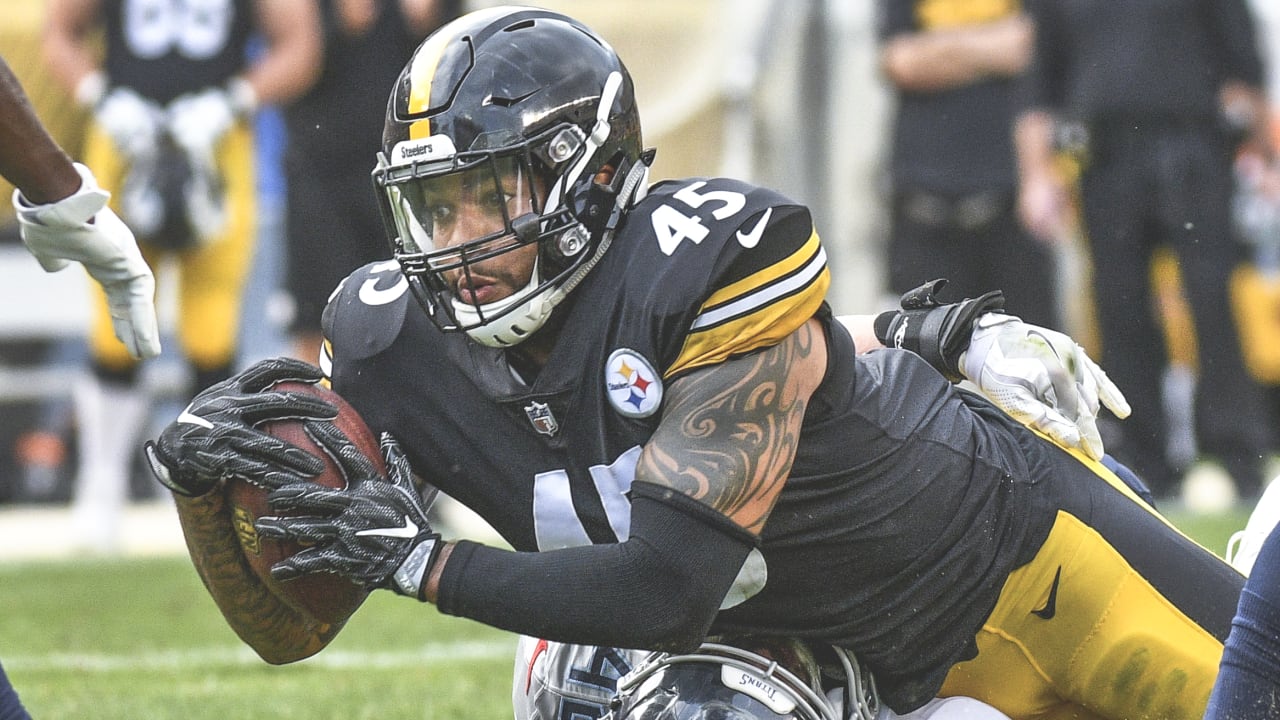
(937, 332)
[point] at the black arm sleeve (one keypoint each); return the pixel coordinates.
(659, 590)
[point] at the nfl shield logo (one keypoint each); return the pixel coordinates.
(541, 417)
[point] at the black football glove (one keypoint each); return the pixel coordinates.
(215, 437)
(374, 533)
(937, 332)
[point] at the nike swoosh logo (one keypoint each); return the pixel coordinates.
(409, 530)
(752, 238)
(187, 417)
(1051, 605)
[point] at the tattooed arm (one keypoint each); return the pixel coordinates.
(729, 433)
(706, 482)
(277, 632)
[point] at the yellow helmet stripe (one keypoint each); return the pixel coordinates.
(427, 59)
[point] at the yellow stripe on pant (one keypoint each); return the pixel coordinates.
(1107, 645)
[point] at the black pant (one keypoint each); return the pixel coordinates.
(979, 247)
(1147, 187)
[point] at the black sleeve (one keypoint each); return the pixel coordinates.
(660, 589)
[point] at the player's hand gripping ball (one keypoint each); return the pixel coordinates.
(327, 597)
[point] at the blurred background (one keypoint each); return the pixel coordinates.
(785, 93)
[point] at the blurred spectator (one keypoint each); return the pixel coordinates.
(62, 217)
(1165, 92)
(954, 66)
(171, 101)
(333, 224)
(1258, 213)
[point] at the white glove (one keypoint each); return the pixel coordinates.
(82, 228)
(1042, 379)
(130, 120)
(198, 120)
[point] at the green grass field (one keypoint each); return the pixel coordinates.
(139, 638)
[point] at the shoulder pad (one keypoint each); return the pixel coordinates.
(366, 311)
(741, 267)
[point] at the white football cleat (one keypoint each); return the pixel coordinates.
(1243, 547)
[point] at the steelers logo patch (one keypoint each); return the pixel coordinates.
(635, 390)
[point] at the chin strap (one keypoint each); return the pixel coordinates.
(633, 187)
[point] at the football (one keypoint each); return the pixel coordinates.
(328, 598)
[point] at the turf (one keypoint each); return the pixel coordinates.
(140, 638)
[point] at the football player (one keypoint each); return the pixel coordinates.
(643, 390)
(1248, 683)
(10, 705)
(560, 680)
(764, 679)
(63, 218)
(172, 90)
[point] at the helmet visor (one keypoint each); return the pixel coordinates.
(467, 214)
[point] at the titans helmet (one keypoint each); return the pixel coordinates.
(518, 111)
(775, 680)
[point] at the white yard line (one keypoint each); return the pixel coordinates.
(196, 658)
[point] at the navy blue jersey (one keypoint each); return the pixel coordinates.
(165, 49)
(899, 520)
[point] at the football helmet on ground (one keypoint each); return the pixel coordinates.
(776, 680)
(528, 118)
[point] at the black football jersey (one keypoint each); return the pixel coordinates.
(897, 524)
(165, 49)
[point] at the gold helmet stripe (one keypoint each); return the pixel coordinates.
(427, 59)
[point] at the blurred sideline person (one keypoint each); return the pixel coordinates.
(333, 225)
(953, 68)
(1156, 171)
(171, 104)
(643, 390)
(63, 218)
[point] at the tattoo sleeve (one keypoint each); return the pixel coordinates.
(276, 631)
(729, 433)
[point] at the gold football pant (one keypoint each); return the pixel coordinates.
(1117, 616)
(211, 276)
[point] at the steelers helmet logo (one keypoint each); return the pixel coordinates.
(635, 390)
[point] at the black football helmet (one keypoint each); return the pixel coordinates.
(523, 107)
(776, 680)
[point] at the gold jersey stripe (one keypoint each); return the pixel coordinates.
(761, 278)
(326, 362)
(758, 311)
